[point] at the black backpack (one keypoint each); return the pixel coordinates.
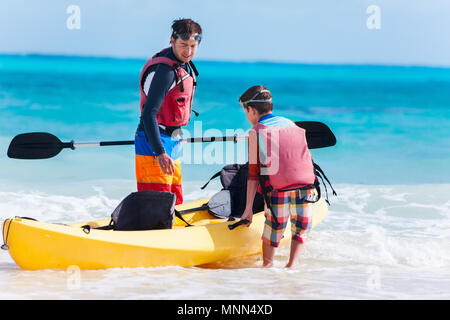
(231, 200)
(142, 210)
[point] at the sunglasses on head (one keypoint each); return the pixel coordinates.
(185, 36)
(245, 103)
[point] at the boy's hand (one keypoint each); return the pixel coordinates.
(248, 214)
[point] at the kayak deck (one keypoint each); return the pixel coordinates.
(40, 245)
(199, 217)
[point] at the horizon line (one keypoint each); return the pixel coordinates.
(380, 64)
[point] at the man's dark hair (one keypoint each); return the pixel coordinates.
(185, 26)
(261, 107)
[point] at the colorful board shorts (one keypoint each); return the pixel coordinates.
(149, 175)
(289, 205)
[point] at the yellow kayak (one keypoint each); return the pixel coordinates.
(40, 245)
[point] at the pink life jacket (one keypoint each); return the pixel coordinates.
(175, 110)
(288, 162)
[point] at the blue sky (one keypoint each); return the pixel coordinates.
(323, 31)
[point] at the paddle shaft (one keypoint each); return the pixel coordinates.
(42, 145)
(315, 132)
(74, 145)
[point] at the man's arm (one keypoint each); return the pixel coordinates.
(162, 80)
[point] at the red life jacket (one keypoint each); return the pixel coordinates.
(176, 108)
(288, 162)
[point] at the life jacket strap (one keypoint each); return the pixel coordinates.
(168, 131)
(319, 173)
(192, 65)
(265, 192)
(180, 77)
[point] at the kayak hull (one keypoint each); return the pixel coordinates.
(39, 245)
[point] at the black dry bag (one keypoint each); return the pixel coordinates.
(145, 210)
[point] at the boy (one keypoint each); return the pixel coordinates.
(280, 162)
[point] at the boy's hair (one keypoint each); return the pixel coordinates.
(185, 26)
(261, 107)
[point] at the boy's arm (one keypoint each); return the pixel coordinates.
(252, 186)
(253, 176)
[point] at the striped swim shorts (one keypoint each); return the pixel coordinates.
(289, 205)
(149, 175)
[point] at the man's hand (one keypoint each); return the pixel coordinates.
(166, 164)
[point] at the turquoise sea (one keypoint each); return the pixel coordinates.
(392, 123)
(390, 167)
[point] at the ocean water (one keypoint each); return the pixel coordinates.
(388, 230)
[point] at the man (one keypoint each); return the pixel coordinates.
(167, 85)
(280, 162)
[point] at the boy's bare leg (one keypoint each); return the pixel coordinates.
(268, 253)
(296, 247)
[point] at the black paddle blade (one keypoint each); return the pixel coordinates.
(318, 134)
(35, 145)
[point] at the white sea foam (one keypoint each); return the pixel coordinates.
(55, 208)
(80, 201)
(393, 232)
